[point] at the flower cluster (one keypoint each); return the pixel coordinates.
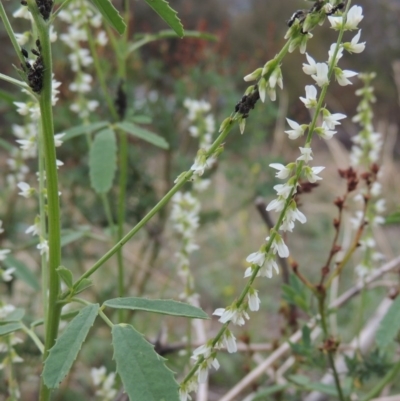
(186, 206)
(263, 262)
(7, 273)
(365, 154)
(106, 383)
(202, 127)
(78, 15)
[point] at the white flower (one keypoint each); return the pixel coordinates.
(331, 53)
(254, 300)
(204, 368)
(33, 229)
(6, 310)
(297, 131)
(52, 34)
(354, 46)
(57, 139)
(357, 220)
(342, 75)
(26, 190)
(279, 246)
(22, 108)
(380, 206)
(354, 17)
(310, 100)
(3, 253)
(233, 314)
(43, 247)
(324, 131)
(306, 154)
(284, 190)
(98, 375)
(277, 204)
(283, 171)
(332, 120)
(256, 258)
(204, 350)
(311, 173)
(376, 188)
(321, 75)
(22, 38)
(7, 274)
(310, 68)
(229, 341)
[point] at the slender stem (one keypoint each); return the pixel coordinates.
(183, 178)
(107, 209)
(106, 319)
(34, 338)
(53, 206)
(13, 81)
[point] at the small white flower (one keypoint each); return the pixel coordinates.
(102, 38)
(279, 246)
(324, 131)
(342, 75)
(254, 300)
(297, 131)
(376, 188)
(43, 247)
(57, 139)
(7, 274)
(310, 100)
(5, 310)
(204, 350)
(26, 190)
(306, 154)
(22, 108)
(284, 190)
(98, 375)
(233, 314)
(321, 75)
(256, 258)
(229, 341)
(200, 163)
(283, 171)
(311, 173)
(354, 46)
(332, 120)
(277, 204)
(354, 17)
(331, 53)
(311, 67)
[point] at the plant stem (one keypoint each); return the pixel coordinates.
(53, 206)
(183, 178)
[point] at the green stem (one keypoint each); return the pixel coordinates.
(106, 319)
(13, 81)
(34, 338)
(391, 375)
(53, 206)
(183, 178)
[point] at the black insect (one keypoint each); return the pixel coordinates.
(45, 7)
(35, 71)
(121, 100)
(338, 7)
(247, 103)
(298, 15)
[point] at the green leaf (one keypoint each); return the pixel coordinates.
(262, 394)
(144, 134)
(22, 272)
(9, 328)
(65, 275)
(15, 316)
(140, 119)
(162, 306)
(389, 326)
(296, 293)
(103, 161)
(162, 8)
(143, 372)
(85, 283)
(83, 129)
(65, 350)
(111, 15)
